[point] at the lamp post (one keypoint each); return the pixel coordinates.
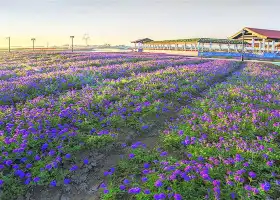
(33, 40)
(9, 38)
(242, 53)
(72, 37)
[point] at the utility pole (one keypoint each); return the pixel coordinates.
(242, 53)
(9, 38)
(72, 37)
(33, 40)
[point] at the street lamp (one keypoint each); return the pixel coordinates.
(72, 37)
(242, 53)
(9, 38)
(33, 40)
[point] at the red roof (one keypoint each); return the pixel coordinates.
(268, 33)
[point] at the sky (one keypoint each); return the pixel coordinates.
(122, 21)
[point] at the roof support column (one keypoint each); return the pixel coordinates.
(210, 46)
(273, 46)
(260, 46)
(235, 47)
(228, 47)
(263, 48)
(253, 45)
(268, 45)
(198, 46)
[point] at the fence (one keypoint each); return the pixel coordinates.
(246, 55)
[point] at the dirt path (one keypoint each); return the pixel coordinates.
(86, 181)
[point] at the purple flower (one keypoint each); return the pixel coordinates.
(126, 182)
(159, 196)
(158, 183)
(178, 197)
(216, 183)
(233, 195)
(106, 191)
(131, 155)
(44, 146)
(28, 166)
(113, 169)
(68, 156)
(8, 162)
(255, 190)
(27, 181)
(66, 181)
(48, 167)
(20, 173)
(265, 186)
(85, 161)
(135, 190)
(74, 168)
(162, 154)
(270, 163)
(248, 187)
(53, 183)
(145, 127)
(106, 173)
(51, 153)
(122, 187)
(230, 183)
(36, 179)
(144, 179)
(1, 182)
(252, 174)
(147, 191)
(37, 157)
(180, 132)
(146, 165)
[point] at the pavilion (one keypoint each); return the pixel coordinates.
(264, 40)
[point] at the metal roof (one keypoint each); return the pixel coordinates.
(144, 40)
(200, 40)
(260, 33)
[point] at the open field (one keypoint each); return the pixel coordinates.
(137, 126)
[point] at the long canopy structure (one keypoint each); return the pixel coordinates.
(191, 44)
(264, 40)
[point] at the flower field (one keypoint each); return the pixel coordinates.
(223, 143)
